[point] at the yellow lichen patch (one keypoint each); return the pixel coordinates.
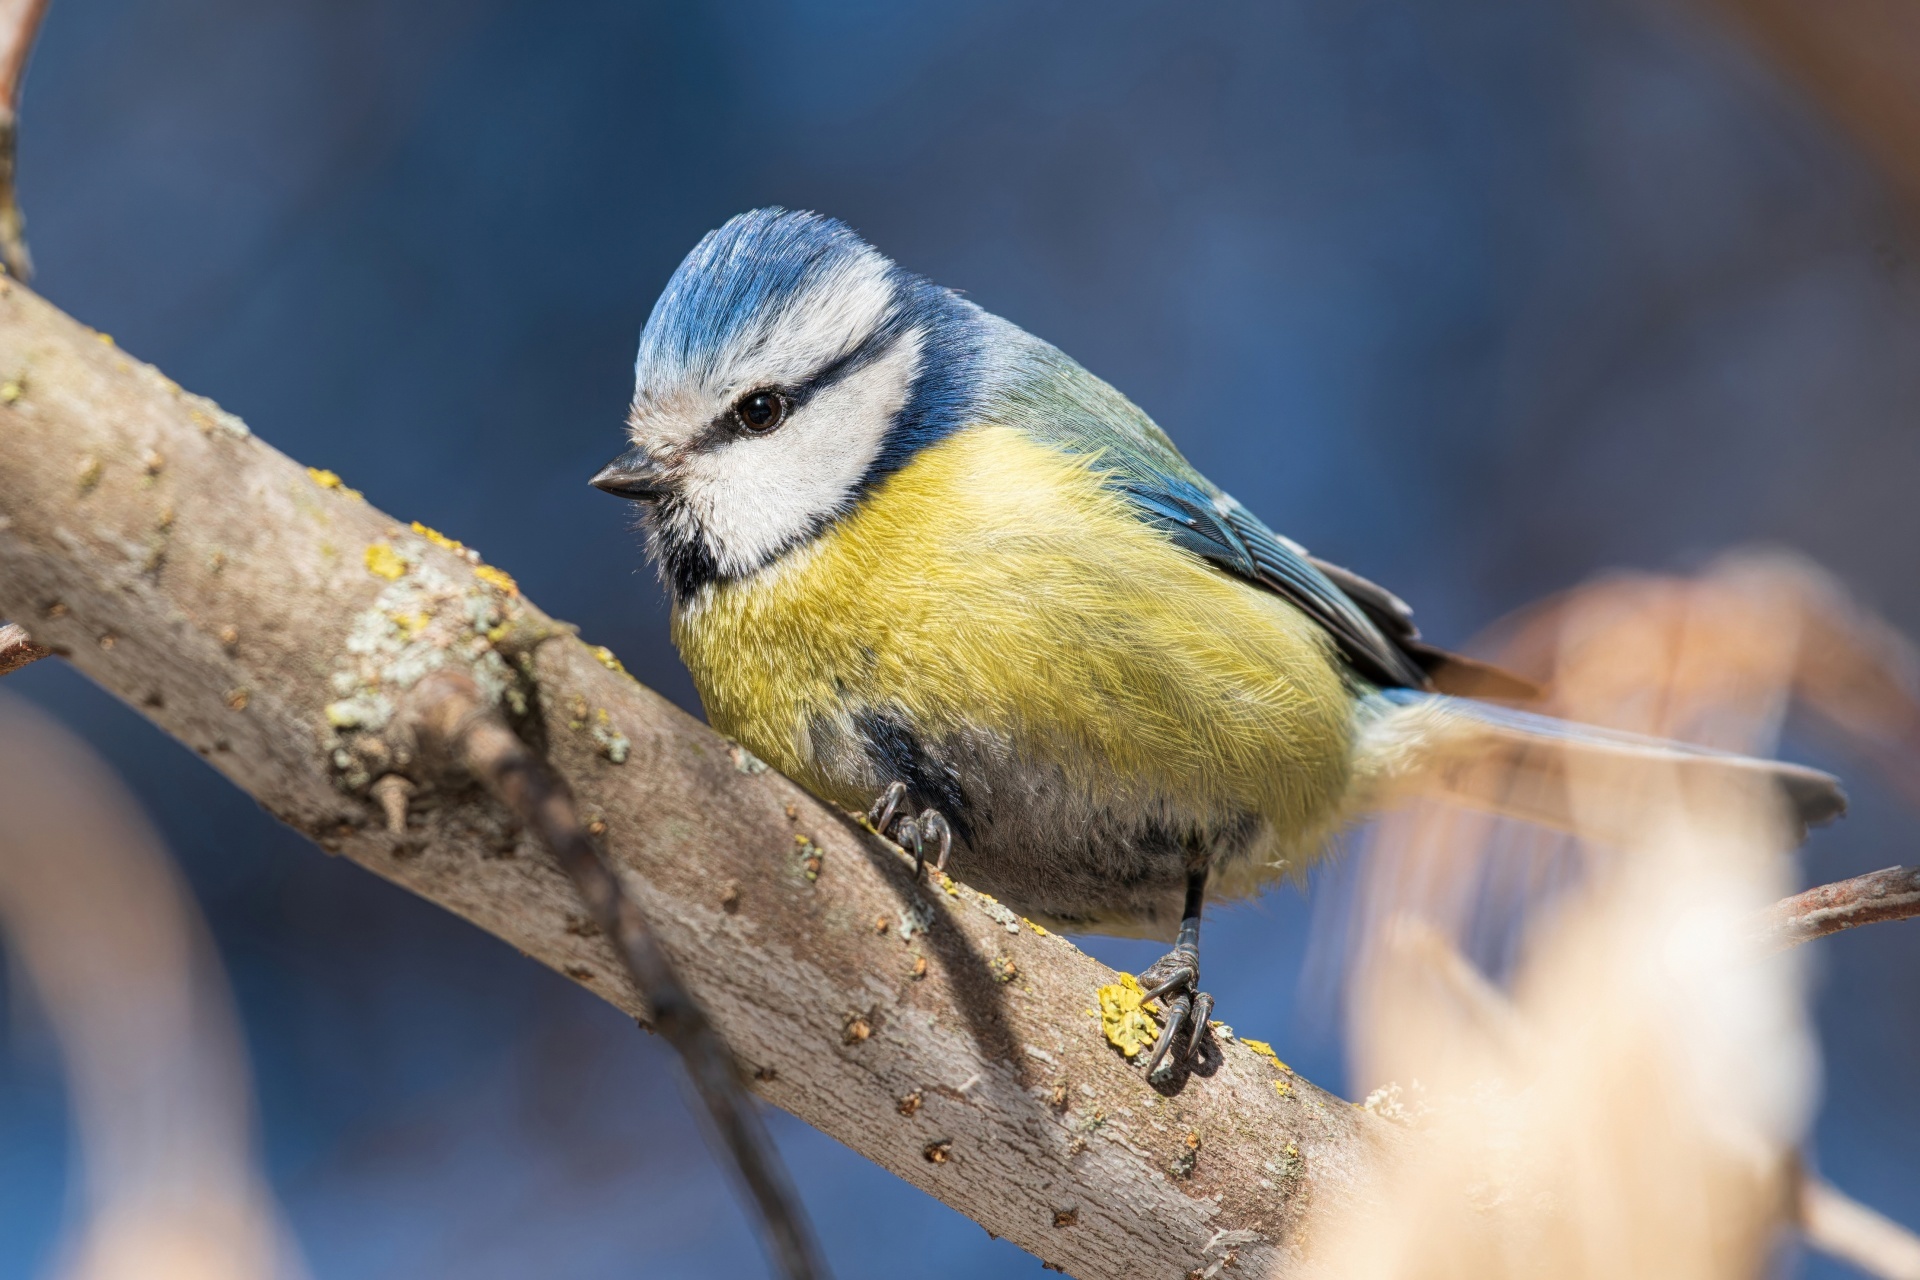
(1124, 1020)
(106, 338)
(328, 480)
(439, 539)
(411, 624)
(604, 656)
(1265, 1050)
(1282, 1087)
(13, 388)
(1036, 928)
(948, 883)
(812, 856)
(384, 562)
(497, 578)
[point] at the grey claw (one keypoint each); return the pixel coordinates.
(1176, 1014)
(1202, 1012)
(934, 827)
(883, 808)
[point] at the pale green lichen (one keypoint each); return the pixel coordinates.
(610, 741)
(916, 917)
(210, 417)
(992, 906)
(421, 622)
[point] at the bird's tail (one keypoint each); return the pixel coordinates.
(1573, 777)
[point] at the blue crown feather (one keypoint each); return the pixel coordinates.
(746, 270)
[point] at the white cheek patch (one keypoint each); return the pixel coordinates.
(756, 496)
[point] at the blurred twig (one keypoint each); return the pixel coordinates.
(17, 649)
(19, 24)
(453, 720)
(1837, 1224)
(1860, 60)
(1874, 898)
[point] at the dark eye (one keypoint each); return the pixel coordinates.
(761, 411)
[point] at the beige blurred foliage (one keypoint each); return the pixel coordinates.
(1630, 1099)
(97, 920)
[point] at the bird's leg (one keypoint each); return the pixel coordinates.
(911, 833)
(1174, 980)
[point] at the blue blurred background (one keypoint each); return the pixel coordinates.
(1478, 298)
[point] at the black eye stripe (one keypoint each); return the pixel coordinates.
(870, 349)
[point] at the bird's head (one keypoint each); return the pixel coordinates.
(787, 368)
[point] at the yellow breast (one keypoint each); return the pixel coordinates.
(996, 584)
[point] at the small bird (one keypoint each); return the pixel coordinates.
(917, 553)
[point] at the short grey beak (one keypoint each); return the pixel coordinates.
(631, 475)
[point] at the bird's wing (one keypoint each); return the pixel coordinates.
(1059, 402)
(1219, 530)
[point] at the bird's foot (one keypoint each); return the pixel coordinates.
(1174, 980)
(890, 818)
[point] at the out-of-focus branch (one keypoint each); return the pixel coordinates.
(19, 24)
(273, 621)
(17, 649)
(1878, 896)
(107, 936)
(456, 723)
(1841, 1226)
(1860, 60)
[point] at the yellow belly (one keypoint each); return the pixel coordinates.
(996, 586)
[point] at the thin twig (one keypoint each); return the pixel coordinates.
(17, 649)
(1842, 1227)
(19, 24)
(1892, 894)
(453, 718)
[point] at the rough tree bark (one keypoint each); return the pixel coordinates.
(267, 616)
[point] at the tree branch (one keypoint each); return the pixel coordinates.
(275, 622)
(17, 649)
(1878, 896)
(452, 718)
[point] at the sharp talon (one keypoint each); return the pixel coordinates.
(1202, 1011)
(883, 808)
(1176, 1014)
(934, 827)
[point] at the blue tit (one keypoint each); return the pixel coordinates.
(917, 553)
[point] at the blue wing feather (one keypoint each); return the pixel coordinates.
(1032, 385)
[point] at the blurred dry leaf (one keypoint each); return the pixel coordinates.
(1631, 1101)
